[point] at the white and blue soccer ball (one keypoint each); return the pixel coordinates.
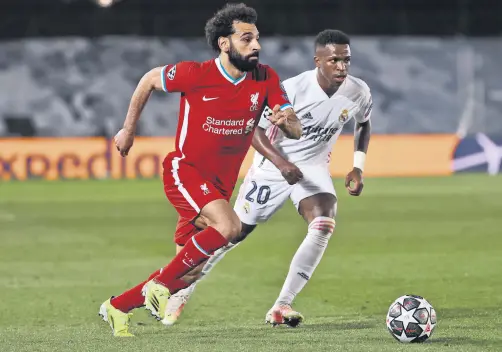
(411, 319)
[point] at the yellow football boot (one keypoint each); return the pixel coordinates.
(156, 298)
(118, 320)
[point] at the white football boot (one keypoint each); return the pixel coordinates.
(283, 314)
(176, 304)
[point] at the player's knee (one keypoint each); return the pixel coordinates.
(221, 217)
(329, 209)
(230, 227)
(321, 229)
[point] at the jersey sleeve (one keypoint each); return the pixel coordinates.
(365, 104)
(178, 77)
(276, 92)
(264, 121)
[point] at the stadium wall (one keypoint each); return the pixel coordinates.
(73, 93)
(80, 87)
(96, 158)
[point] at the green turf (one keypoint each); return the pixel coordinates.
(66, 247)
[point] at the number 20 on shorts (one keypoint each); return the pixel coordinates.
(262, 196)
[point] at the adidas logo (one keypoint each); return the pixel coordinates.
(155, 303)
(308, 116)
(304, 276)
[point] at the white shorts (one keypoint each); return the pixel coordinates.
(265, 191)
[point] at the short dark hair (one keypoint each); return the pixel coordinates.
(331, 36)
(221, 24)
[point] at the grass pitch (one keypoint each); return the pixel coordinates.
(65, 247)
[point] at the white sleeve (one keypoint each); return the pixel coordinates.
(264, 121)
(365, 106)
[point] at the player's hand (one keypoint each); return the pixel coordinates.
(354, 182)
(278, 117)
(287, 121)
(290, 172)
(124, 140)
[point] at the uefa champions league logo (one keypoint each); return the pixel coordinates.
(171, 73)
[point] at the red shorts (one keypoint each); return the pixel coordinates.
(188, 192)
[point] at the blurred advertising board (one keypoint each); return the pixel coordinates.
(96, 158)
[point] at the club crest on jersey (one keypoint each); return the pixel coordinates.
(171, 73)
(249, 126)
(254, 101)
(204, 189)
(343, 116)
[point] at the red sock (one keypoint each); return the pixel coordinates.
(196, 251)
(132, 298)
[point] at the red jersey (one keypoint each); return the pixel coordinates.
(218, 115)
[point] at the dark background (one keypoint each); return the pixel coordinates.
(35, 18)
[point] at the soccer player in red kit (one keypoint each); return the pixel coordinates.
(221, 102)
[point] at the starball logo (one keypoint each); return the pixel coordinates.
(479, 153)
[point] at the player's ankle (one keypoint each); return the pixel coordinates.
(119, 307)
(157, 281)
(283, 302)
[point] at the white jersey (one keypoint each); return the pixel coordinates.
(322, 118)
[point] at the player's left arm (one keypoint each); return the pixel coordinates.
(283, 115)
(362, 134)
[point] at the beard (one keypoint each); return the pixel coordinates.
(242, 63)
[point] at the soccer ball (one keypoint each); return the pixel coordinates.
(411, 319)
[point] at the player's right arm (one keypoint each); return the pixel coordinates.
(262, 145)
(170, 78)
(149, 82)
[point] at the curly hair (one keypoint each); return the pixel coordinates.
(331, 36)
(221, 24)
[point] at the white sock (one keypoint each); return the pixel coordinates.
(307, 258)
(211, 262)
(216, 257)
(186, 292)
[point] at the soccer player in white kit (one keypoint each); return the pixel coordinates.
(325, 99)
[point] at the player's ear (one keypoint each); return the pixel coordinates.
(317, 61)
(224, 44)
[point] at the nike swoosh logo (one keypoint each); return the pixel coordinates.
(184, 262)
(208, 99)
